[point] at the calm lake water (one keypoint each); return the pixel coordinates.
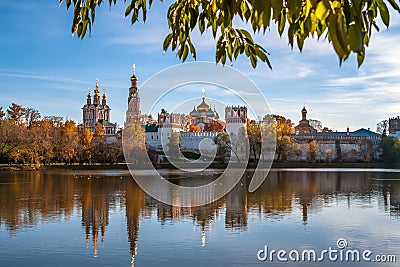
(102, 218)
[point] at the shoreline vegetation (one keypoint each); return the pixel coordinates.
(250, 166)
(29, 141)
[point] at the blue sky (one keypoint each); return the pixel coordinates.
(44, 67)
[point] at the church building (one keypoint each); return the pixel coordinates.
(96, 112)
(304, 124)
(203, 114)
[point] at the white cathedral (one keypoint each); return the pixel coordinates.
(158, 132)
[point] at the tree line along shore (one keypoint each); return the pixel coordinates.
(29, 140)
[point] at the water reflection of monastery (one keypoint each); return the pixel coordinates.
(283, 193)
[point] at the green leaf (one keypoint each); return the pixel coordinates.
(300, 43)
(334, 33)
(202, 25)
(192, 50)
(277, 7)
(360, 58)
(185, 52)
(229, 51)
(384, 12)
(394, 5)
(247, 35)
(281, 26)
(128, 9)
(354, 37)
(264, 58)
(167, 41)
(253, 61)
(134, 18)
(266, 15)
(223, 59)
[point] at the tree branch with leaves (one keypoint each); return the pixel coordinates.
(347, 24)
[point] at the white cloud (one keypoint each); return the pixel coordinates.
(304, 72)
(43, 77)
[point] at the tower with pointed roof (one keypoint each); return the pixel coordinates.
(133, 113)
(304, 124)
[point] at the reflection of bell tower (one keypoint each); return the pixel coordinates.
(134, 202)
(236, 207)
(133, 112)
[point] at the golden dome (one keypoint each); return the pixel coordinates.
(203, 107)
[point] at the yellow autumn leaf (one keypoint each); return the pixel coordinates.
(321, 12)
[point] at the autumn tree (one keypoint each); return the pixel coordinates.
(346, 24)
(11, 137)
(16, 113)
(241, 146)
(111, 151)
(97, 145)
(134, 143)
(32, 116)
(326, 130)
(85, 139)
(2, 114)
(69, 141)
(390, 151)
(268, 137)
(194, 128)
(329, 155)
(51, 139)
(55, 121)
(312, 151)
(223, 146)
(214, 126)
(283, 129)
(42, 143)
(296, 151)
(254, 134)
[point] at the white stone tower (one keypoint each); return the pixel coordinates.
(235, 118)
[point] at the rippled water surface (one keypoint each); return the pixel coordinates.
(102, 218)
